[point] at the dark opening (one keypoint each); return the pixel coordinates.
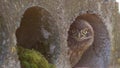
(38, 31)
(93, 54)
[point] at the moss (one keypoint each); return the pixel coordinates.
(32, 59)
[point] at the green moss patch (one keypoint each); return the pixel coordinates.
(32, 59)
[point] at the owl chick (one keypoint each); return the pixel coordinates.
(81, 36)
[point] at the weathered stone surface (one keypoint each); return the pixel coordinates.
(63, 12)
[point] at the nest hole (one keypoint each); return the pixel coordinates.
(38, 31)
(88, 52)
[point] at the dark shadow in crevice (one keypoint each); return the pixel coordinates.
(38, 31)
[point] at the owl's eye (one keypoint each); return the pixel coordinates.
(75, 34)
(72, 31)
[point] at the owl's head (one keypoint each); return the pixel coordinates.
(81, 31)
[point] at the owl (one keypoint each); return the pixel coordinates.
(80, 37)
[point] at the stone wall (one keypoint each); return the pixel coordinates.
(64, 13)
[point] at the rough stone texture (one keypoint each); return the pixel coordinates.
(64, 12)
(116, 37)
